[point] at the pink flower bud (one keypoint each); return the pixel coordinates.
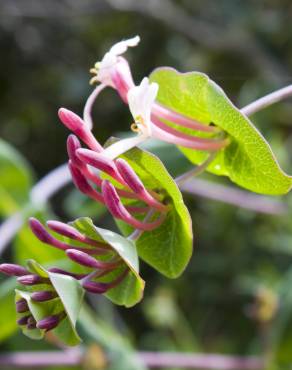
(48, 323)
(95, 287)
(72, 145)
(23, 320)
(85, 260)
(11, 269)
(43, 296)
(112, 200)
(129, 176)
(76, 124)
(21, 306)
(32, 280)
(98, 161)
(65, 230)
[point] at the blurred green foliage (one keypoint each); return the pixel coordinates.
(235, 296)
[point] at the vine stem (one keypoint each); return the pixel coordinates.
(59, 177)
(267, 100)
(196, 170)
(150, 359)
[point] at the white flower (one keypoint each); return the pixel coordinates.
(104, 68)
(141, 99)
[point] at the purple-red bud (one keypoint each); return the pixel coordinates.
(112, 200)
(95, 287)
(12, 269)
(56, 270)
(21, 306)
(32, 279)
(77, 125)
(31, 323)
(79, 180)
(129, 176)
(39, 231)
(43, 296)
(72, 145)
(98, 161)
(82, 258)
(70, 119)
(48, 323)
(65, 230)
(23, 320)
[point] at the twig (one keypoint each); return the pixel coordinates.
(267, 100)
(237, 197)
(180, 180)
(150, 359)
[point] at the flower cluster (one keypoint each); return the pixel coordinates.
(40, 290)
(107, 260)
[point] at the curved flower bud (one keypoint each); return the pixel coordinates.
(141, 99)
(43, 296)
(43, 235)
(117, 209)
(85, 260)
(50, 322)
(74, 123)
(12, 269)
(32, 279)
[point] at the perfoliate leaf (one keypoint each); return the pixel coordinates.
(248, 160)
(130, 290)
(167, 248)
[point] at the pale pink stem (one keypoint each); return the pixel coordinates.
(87, 117)
(159, 111)
(170, 135)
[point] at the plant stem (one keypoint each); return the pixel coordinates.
(236, 197)
(267, 100)
(87, 117)
(196, 170)
(150, 359)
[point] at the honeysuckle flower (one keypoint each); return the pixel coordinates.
(108, 68)
(141, 99)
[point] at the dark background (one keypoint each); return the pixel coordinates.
(242, 259)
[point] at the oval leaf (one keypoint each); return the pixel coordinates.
(248, 160)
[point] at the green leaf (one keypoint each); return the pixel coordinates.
(7, 309)
(248, 160)
(70, 298)
(130, 290)
(16, 179)
(167, 248)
